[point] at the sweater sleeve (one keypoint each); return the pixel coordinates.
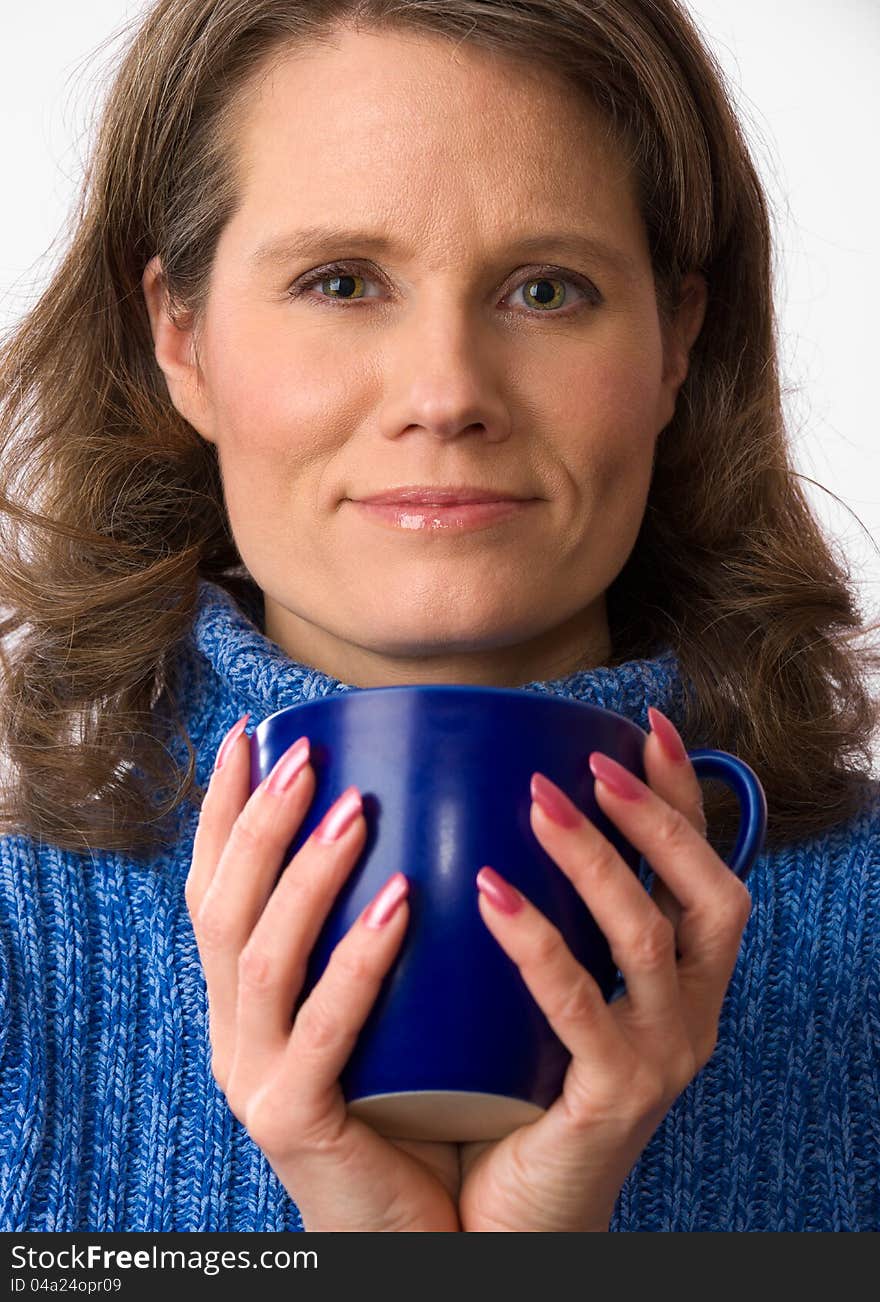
(22, 1035)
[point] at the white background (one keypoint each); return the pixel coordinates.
(804, 77)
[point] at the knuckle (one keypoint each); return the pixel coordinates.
(216, 930)
(261, 1117)
(295, 883)
(354, 964)
(651, 946)
(722, 930)
(257, 970)
(577, 1003)
(317, 1027)
(546, 947)
(248, 833)
(603, 863)
(674, 831)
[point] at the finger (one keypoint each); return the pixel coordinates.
(249, 864)
(675, 849)
(715, 904)
(226, 794)
(671, 775)
(332, 1016)
(272, 965)
(641, 939)
(257, 842)
(564, 991)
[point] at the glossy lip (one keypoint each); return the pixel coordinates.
(433, 517)
(439, 495)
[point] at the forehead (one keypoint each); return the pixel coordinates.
(428, 137)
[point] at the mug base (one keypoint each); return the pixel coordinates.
(451, 1115)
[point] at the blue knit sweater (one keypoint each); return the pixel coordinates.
(109, 1115)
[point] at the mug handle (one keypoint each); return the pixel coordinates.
(744, 783)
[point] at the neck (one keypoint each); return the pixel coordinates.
(580, 643)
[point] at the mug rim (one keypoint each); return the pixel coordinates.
(422, 688)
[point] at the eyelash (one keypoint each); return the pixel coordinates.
(593, 297)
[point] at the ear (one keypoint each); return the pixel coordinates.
(174, 349)
(680, 333)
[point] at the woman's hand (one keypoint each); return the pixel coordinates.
(280, 1076)
(676, 948)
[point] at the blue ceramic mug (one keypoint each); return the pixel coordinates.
(455, 1047)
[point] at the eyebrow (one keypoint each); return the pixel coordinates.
(317, 240)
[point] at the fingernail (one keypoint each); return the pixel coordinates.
(667, 734)
(498, 892)
(555, 803)
(339, 817)
(385, 905)
(618, 779)
(230, 739)
(292, 762)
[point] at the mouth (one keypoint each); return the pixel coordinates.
(434, 517)
(440, 495)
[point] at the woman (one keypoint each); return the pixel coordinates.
(558, 260)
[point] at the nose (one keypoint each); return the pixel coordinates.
(442, 381)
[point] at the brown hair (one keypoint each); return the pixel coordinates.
(124, 499)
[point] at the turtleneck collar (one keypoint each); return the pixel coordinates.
(258, 675)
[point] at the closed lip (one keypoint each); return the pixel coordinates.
(427, 495)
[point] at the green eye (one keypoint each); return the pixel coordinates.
(543, 294)
(340, 285)
(542, 299)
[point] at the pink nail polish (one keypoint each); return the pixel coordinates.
(555, 803)
(339, 817)
(498, 892)
(384, 906)
(667, 734)
(618, 779)
(230, 739)
(291, 763)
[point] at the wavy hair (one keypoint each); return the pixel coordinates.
(111, 505)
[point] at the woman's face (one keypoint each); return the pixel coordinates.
(444, 353)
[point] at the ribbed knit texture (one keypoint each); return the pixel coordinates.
(109, 1115)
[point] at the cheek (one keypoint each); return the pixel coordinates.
(620, 382)
(610, 408)
(274, 401)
